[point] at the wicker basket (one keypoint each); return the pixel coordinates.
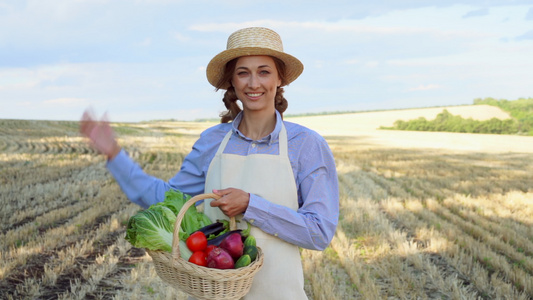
(202, 282)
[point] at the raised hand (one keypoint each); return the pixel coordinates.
(101, 135)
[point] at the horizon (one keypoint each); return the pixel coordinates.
(145, 60)
(288, 116)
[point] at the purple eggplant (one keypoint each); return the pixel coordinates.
(217, 240)
(215, 229)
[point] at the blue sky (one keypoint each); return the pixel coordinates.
(144, 60)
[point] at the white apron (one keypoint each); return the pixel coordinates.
(271, 177)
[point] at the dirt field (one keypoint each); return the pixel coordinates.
(423, 215)
(364, 126)
(364, 121)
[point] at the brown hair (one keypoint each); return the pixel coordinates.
(230, 97)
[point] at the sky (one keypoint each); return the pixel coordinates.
(140, 60)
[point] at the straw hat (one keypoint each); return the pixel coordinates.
(253, 41)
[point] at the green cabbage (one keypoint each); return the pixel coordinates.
(153, 228)
(192, 220)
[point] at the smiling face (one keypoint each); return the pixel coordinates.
(255, 80)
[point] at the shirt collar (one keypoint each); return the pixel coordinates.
(272, 137)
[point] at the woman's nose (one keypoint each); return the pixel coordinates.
(253, 81)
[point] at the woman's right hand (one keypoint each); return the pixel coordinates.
(101, 135)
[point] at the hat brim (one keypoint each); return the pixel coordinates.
(215, 68)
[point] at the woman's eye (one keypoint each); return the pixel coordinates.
(265, 72)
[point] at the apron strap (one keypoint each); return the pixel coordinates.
(224, 142)
(283, 148)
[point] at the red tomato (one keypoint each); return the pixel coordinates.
(196, 241)
(198, 258)
(209, 249)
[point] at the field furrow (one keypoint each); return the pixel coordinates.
(94, 248)
(491, 268)
(446, 257)
(516, 255)
(414, 223)
(443, 279)
(60, 236)
(45, 197)
(465, 208)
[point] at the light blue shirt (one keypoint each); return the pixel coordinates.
(312, 226)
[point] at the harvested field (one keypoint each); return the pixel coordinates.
(423, 215)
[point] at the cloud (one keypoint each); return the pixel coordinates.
(424, 87)
(348, 26)
(526, 36)
(352, 61)
(372, 64)
(225, 27)
(477, 13)
(65, 101)
(59, 56)
(529, 14)
(180, 37)
(343, 30)
(146, 42)
(24, 85)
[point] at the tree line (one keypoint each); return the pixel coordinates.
(520, 123)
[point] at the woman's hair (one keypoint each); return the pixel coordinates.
(230, 97)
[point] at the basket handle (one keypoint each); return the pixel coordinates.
(176, 238)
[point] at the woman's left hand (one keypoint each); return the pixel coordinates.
(232, 201)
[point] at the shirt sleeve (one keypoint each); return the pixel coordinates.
(145, 190)
(313, 225)
(138, 186)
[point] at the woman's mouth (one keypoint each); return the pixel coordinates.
(254, 95)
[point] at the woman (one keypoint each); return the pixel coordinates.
(278, 176)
